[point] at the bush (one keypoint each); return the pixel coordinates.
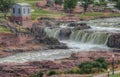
(86, 67)
(51, 73)
(74, 70)
(40, 74)
(92, 67)
(102, 62)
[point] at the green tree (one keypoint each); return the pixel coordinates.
(69, 5)
(59, 2)
(86, 3)
(102, 3)
(5, 6)
(118, 4)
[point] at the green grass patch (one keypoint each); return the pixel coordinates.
(4, 30)
(40, 12)
(90, 14)
(116, 15)
(97, 14)
(116, 75)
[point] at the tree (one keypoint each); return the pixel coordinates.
(69, 5)
(86, 3)
(5, 6)
(59, 2)
(50, 3)
(102, 3)
(118, 4)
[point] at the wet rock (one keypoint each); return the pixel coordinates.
(114, 41)
(81, 26)
(72, 24)
(61, 46)
(51, 41)
(65, 33)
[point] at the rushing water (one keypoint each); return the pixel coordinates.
(82, 40)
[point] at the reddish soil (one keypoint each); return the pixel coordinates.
(29, 68)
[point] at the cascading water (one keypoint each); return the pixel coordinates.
(52, 32)
(84, 36)
(80, 40)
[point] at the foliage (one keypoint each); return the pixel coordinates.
(92, 67)
(69, 5)
(102, 62)
(86, 3)
(4, 30)
(102, 3)
(74, 70)
(59, 2)
(51, 73)
(50, 3)
(5, 6)
(86, 67)
(40, 74)
(118, 4)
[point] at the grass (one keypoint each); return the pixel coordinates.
(4, 30)
(97, 14)
(42, 13)
(116, 75)
(90, 14)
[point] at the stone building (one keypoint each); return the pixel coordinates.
(21, 12)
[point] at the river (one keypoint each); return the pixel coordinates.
(93, 39)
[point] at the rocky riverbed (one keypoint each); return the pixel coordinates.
(29, 68)
(86, 40)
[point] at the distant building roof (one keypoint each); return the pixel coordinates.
(23, 4)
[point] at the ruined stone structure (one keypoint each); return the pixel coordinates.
(21, 13)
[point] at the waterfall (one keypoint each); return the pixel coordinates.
(90, 37)
(53, 32)
(82, 36)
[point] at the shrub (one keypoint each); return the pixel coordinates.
(40, 74)
(51, 73)
(74, 70)
(92, 67)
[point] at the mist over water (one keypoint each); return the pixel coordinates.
(93, 39)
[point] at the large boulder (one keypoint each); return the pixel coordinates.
(72, 24)
(51, 41)
(65, 33)
(79, 26)
(114, 41)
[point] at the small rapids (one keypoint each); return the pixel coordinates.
(93, 39)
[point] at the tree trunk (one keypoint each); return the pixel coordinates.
(5, 15)
(85, 9)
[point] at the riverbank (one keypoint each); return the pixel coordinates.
(29, 68)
